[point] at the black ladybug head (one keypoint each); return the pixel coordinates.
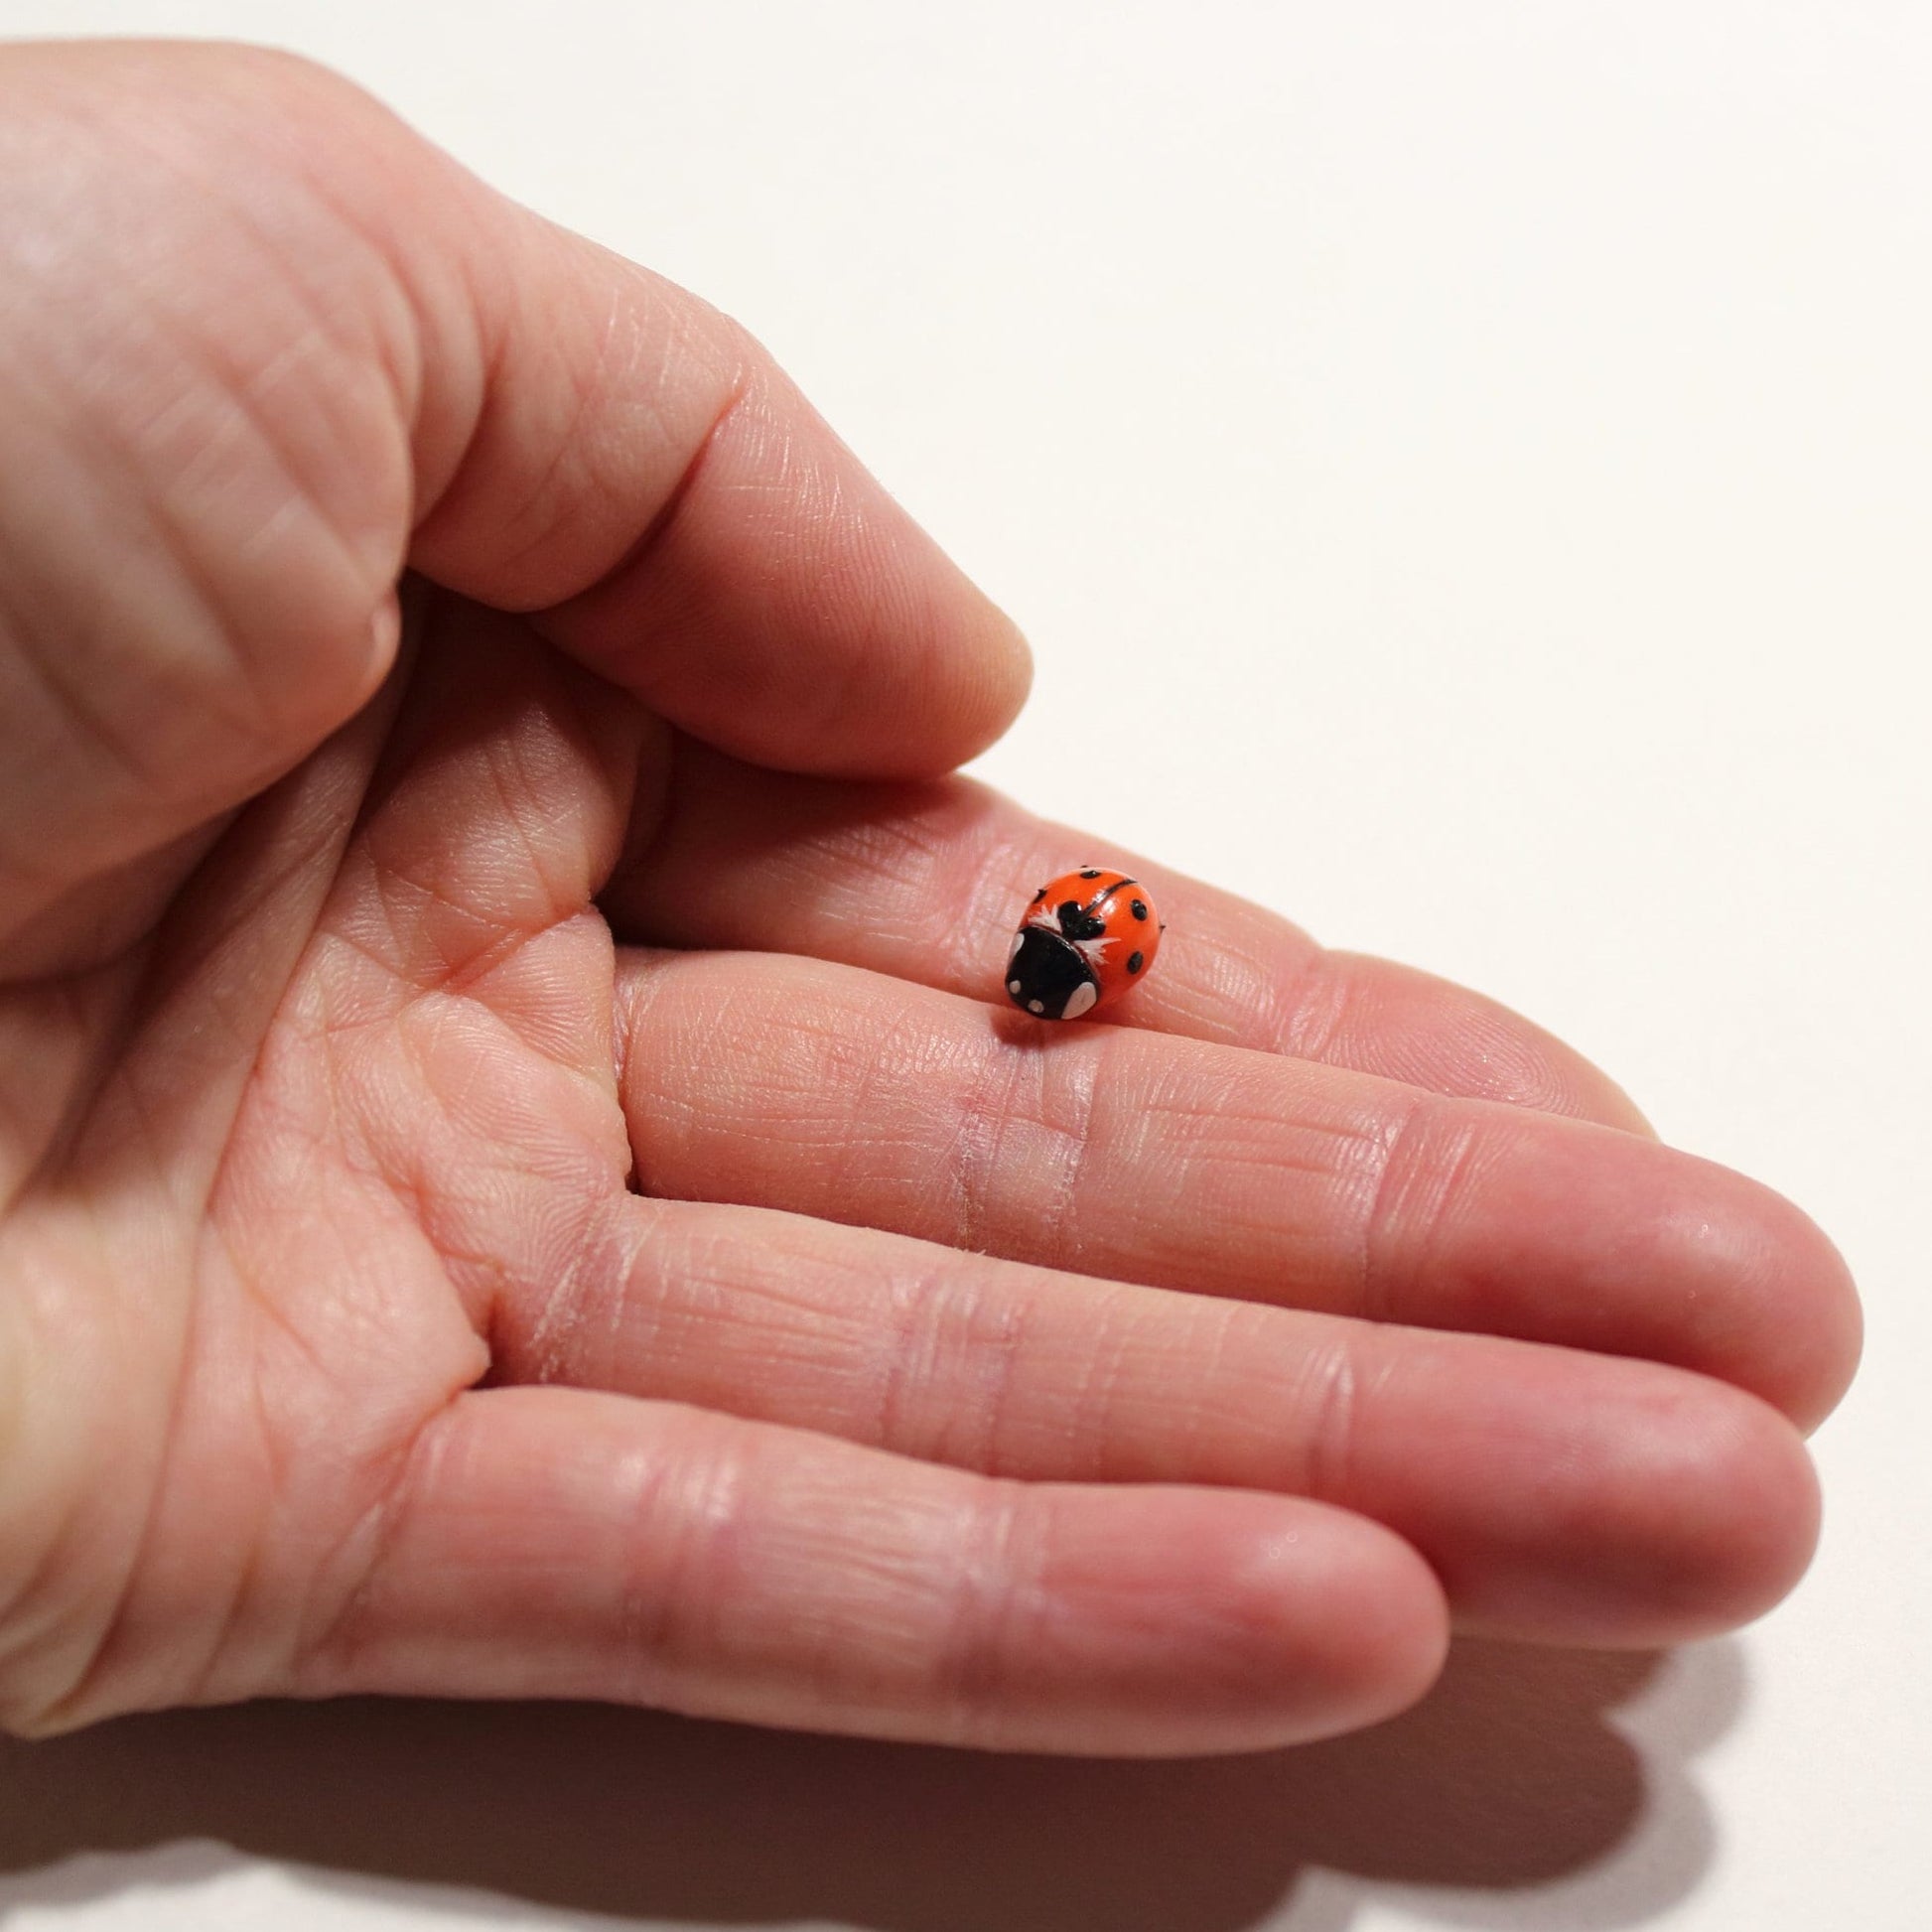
(1047, 976)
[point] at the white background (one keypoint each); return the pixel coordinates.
(1488, 451)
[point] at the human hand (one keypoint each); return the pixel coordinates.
(407, 1286)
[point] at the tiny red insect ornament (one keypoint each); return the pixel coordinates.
(1088, 936)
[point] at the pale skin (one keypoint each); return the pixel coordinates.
(518, 1176)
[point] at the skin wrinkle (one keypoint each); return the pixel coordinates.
(1380, 1294)
(691, 1292)
(1228, 1324)
(96, 1037)
(546, 1033)
(325, 1657)
(200, 962)
(1209, 1163)
(499, 937)
(1097, 1393)
(902, 909)
(1305, 1017)
(436, 1206)
(638, 1315)
(259, 893)
(1100, 1388)
(649, 1100)
(636, 558)
(204, 186)
(1079, 1089)
(133, 449)
(1332, 1372)
(906, 1346)
(592, 385)
(666, 1276)
(687, 1555)
(950, 1360)
(1078, 1398)
(586, 1260)
(870, 1056)
(395, 334)
(846, 676)
(296, 855)
(245, 1580)
(994, 1606)
(510, 945)
(68, 697)
(995, 1348)
(370, 568)
(521, 783)
(377, 561)
(116, 1603)
(211, 606)
(735, 383)
(977, 1152)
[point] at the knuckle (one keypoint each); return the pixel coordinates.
(953, 1348)
(1426, 1153)
(686, 1516)
(986, 1626)
(1330, 1397)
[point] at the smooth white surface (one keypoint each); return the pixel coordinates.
(1486, 454)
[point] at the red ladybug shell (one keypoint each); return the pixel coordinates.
(1087, 937)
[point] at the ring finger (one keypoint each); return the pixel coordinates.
(1558, 1495)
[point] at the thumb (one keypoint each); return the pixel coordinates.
(261, 348)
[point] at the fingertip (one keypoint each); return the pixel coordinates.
(1561, 1231)
(1763, 1294)
(1812, 1345)
(785, 608)
(1000, 667)
(1710, 1512)
(1384, 1642)
(1189, 1621)
(1765, 1509)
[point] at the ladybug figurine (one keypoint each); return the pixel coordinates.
(1088, 936)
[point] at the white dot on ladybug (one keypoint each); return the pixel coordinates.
(1082, 998)
(1032, 1006)
(1013, 985)
(1014, 947)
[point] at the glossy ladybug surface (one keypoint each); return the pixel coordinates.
(1088, 936)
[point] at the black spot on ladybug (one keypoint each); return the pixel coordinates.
(1078, 925)
(1089, 872)
(1135, 961)
(1138, 908)
(1038, 895)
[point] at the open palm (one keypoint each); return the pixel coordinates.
(514, 1183)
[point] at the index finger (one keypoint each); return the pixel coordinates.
(925, 881)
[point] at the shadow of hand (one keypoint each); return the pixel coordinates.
(1506, 1778)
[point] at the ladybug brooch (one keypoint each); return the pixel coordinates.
(1088, 936)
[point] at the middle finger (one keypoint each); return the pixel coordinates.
(785, 1082)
